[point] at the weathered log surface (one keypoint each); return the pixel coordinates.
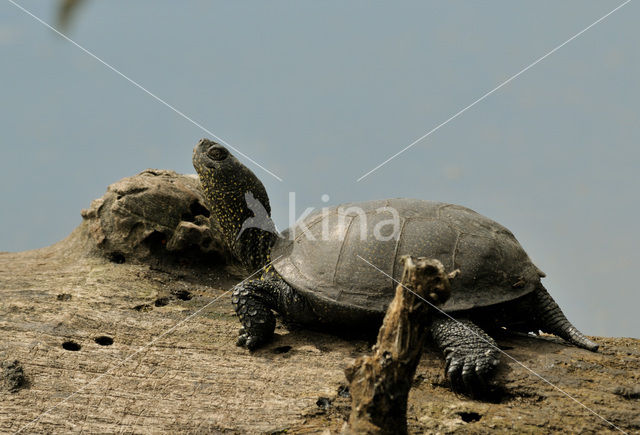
(193, 378)
(156, 213)
(379, 383)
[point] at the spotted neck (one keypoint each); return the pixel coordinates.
(250, 243)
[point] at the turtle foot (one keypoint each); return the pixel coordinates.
(469, 370)
(251, 342)
(251, 303)
(471, 355)
(256, 333)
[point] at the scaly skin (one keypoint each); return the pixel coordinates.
(254, 301)
(470, 353)
(552, 320)
(225, 183)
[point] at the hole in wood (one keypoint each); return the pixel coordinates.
(104, 340)
(143, 307)
(323, 403)
(469, 417)
(71, 345)
(183, 295)
(116, 257)
(161, 302)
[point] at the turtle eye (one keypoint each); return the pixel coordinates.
(217, 154)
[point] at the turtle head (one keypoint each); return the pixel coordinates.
(238, 200)
(217, 167)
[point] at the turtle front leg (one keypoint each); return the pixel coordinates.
(253, 302)
(471, 354)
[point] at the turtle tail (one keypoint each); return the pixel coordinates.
(552, 320)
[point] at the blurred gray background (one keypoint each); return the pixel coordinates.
(322, 92)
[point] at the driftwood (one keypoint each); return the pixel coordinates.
(121, 344)
(155, 214)
(380, 383)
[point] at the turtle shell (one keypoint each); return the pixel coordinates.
(331, 254)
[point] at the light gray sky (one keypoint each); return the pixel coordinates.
(322, 92)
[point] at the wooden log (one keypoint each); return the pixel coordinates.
(380, 383)
(168, 372)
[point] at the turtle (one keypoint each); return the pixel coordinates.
(338, 267)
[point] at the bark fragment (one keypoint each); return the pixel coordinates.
(380, 383)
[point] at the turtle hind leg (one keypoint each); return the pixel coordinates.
(471, 355)
(552, 320)
(253, 301)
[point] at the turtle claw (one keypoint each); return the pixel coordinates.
(242, 338)
(469, 373)
(246, 340)
(454, 374)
